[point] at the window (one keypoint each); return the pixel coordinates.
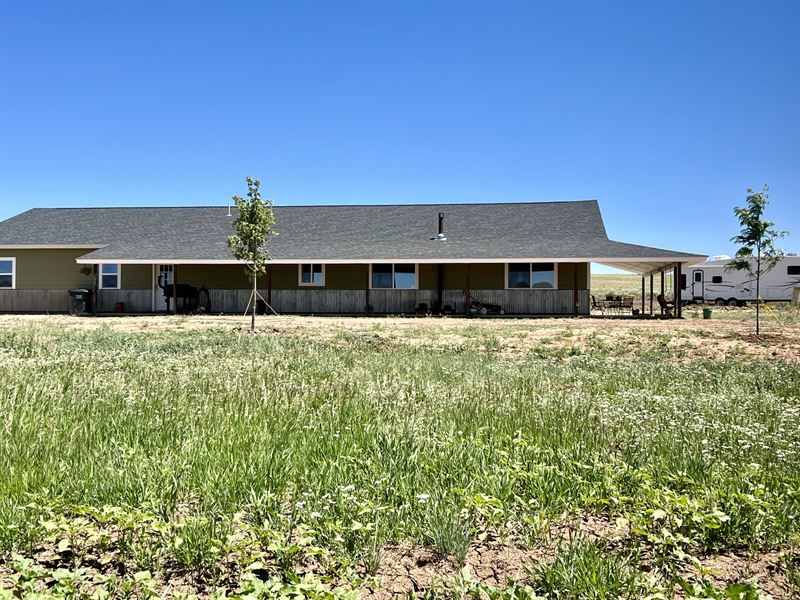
(390, 276)
(531, 275)
(109, 277)
(683, 281)
(8, 272)
(716, 279)
(311, 274)
(698, 276)
(793, 270)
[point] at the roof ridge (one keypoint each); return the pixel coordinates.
(412, 204)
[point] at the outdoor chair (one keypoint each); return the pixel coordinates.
(627, 304)
(601, 306)
(667, 307)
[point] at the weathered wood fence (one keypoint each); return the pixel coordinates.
(310, 301)
(134, 301)
(533, 302)
(35, 301)
(59, 301)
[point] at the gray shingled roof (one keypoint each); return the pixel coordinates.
(354, 232)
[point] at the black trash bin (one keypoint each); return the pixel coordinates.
(81, 301)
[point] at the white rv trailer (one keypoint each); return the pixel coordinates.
(710, 282)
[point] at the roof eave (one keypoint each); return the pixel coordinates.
(360, 261)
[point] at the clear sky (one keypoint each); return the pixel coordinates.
(664, 112)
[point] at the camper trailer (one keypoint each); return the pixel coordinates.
(710, 281)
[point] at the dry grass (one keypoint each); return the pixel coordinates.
(617, 285)
(729, 334)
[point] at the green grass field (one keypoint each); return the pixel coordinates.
(214, 463)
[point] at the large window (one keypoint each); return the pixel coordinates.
(109, 277)
(793, 269)
(7, 272)
(531, 275)
(394, 276)
(311, 274)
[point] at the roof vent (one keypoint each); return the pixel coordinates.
(440, 237)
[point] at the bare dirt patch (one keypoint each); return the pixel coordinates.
(767, 569)
(406, 570)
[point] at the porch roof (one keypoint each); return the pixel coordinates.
(506, 232)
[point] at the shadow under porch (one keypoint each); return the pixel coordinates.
(347, 289)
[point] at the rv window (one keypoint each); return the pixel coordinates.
(793, 270)
(698, 276)
(683, 281)
(716, 279)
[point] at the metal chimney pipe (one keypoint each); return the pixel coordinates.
(441, 223)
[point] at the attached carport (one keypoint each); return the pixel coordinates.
(648, 263)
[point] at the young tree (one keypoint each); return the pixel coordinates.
(757, 253)
(253, 230)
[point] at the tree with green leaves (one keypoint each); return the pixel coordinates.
(253, 229)
(757, 253)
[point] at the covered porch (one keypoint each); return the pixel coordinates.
(658, 297)
(488, 288)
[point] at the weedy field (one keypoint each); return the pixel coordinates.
(332, 458)
(619, 285)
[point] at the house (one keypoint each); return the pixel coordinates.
(530, 258)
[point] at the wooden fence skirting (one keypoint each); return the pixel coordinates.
(133, 301)
(322, 301)
(309, 301)
(35, 301)
(59, 301)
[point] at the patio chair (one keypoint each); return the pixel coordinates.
(626, 305)
(667, 307)
(601, 306)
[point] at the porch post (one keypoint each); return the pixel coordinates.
(439, 286)
(643, 294)
(575, 288)
(675, 289)
(175, 289)
(661, 308)
(467, 293)
(679, 288)
(96, 284)
(269, 286)
(651, 293)
(366, 306)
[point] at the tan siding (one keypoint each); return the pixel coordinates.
(484, 276)
(426, 277)
(487, 276)
(284, 277)
(346, 277)
(566, 272)
(50, 269)
(337, 277)
(214, 277)
(136, 277)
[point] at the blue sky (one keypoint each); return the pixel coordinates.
(664, 112)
